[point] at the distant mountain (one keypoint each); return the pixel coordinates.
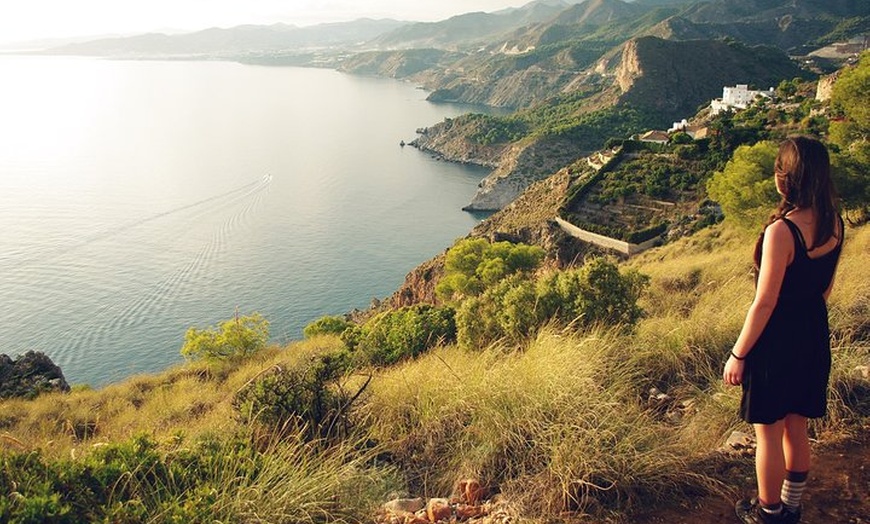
(792, 25)
(660, 3)
(47, 43)
(471, 30)
(236, 41)
(598, 12)
(540, 60)
(398, 64)
(673, 78)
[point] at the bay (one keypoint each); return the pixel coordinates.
(140, 198)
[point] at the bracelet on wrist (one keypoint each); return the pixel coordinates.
(736, 357)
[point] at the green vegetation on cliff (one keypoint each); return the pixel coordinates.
(560, 421)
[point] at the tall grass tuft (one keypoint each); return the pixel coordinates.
(298, 481)
(223, 479)
(557, 426)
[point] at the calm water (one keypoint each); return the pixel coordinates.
(140, 198)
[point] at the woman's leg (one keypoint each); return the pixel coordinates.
(769, 461)
(796, 447)
(796, 443)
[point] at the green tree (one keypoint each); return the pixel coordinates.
(681, 137)
(788, 88)
(745, 188)
(473, 264)
(849, 132)
(237, 337)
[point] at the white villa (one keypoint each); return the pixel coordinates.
(737, 97)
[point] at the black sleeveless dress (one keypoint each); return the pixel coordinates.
(788, 367)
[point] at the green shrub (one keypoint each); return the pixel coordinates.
(516, 308)
(228, 480)
(597, 293)
(238, 337)
(303, 398)
(640, 236)
(328, 325)
(474, 263)
(506, 311)
(404, 333)
(476, 324)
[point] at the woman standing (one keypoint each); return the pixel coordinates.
(782, 357)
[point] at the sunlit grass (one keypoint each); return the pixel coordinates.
(556, 425)
(562, 423)
(194, 398)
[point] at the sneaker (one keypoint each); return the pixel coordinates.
(793, 515)
(749, 511)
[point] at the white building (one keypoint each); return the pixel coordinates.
(679, 126)
(737, 97)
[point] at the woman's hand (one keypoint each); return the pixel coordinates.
(733, 374)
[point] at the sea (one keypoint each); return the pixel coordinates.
(141, 198)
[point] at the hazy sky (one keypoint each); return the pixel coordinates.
(33, 19)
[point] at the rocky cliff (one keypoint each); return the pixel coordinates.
(29, 375)
(516, 165)
(675, 77)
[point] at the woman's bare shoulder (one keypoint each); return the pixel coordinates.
(779, 238)
(777, 230)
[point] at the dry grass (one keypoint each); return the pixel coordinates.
(562, 424)
(556, 426)
(192, 399)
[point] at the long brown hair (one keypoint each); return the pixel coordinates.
(804, 166)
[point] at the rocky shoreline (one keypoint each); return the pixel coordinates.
(29, 375)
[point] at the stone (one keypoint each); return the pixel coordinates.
(404, 505)
(658, 401)
(474, 492)
(29, 375)
(467, 511)
(469, 491)
(439, 510)
(863, 371)
(739, 442)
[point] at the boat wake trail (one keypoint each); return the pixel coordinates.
(204, 205)
(178, 284)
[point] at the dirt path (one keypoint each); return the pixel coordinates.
(838, 491)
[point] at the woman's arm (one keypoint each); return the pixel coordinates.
(827, 292)
(777, 252)
(842, 231)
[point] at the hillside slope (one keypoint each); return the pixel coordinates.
(675, 77)
(650, 83)
(527, 419)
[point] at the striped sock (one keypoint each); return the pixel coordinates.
(793, 487)
(771, 509)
